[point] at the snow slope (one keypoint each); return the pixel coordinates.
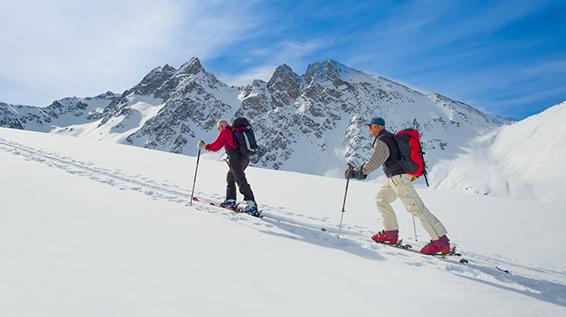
(524, 160)
(101, 229)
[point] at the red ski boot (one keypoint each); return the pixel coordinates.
(440, 246)
(386, 236)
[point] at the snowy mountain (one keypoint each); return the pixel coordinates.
(310, 123)
(315, 123)
(99, 229)
(522, 160)
(58, 115)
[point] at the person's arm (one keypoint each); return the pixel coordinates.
(380, 155)
(220, 142)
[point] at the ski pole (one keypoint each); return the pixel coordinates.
(343, 208)
(194, 180)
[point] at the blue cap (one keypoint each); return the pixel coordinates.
(377, 120)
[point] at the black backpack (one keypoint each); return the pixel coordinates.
(244, 136)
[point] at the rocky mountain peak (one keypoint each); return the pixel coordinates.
(192, 67)
(284, 73)
(153, 80)
(285, 86)
(328, 70)
(321, 113)
(168, 69)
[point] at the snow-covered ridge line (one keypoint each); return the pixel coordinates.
(311, 123)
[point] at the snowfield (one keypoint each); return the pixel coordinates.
(523, 160)
(89, 228)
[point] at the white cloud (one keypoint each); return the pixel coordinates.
(52, 49)
(287, 52)
(544, 68)
(263, 72)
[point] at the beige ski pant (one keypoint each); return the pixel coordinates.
(400, 186)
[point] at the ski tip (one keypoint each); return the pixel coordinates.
(502, 270)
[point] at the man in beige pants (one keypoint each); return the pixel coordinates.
(398, 185)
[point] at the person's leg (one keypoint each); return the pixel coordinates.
(230, 185)
(385, 196)
(414, 204)
(237, 166)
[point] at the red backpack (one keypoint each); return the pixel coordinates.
(411, 154)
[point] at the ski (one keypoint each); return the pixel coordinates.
(400, 245)
(264, 215)
(453, 253)
(407, 247)
(503, 270)
(235, 211)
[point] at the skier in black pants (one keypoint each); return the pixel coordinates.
(237, 163)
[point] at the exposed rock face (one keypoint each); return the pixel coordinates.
(311, 123)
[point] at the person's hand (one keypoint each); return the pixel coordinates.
(352, 172)
(201, 145)
(360, 173)
(349, 173)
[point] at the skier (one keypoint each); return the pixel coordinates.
(237, 163)
(397, 185)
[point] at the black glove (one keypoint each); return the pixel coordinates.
(356, 173)
(360, 173)
(349, 173)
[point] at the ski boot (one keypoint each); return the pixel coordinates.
(251, 209)
(386, 236)
(229, 204)
(440, 246)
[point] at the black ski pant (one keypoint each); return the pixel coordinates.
(236, 175)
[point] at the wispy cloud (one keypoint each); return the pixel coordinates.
(554, 67)
(485, 53)
(476, 52)
(262, 72)
(63, 48)
(287, 52)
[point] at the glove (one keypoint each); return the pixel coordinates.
(349, 173)
(356, 173)
(201, 145)
(360, 173)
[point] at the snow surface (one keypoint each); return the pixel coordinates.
(524, 160)
(101, 229)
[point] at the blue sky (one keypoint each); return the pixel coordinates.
(506, 57)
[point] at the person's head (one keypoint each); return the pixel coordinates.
(222, 124)
(376, 125)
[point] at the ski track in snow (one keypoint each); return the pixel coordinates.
(294, 225)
